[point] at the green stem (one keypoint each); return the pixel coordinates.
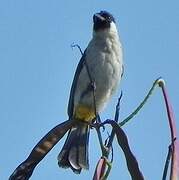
(141, 104)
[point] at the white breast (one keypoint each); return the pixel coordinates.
(104, 59)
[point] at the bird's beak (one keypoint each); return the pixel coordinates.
(98, 17)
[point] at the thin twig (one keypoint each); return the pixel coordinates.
(116, 119)
(92, 82)
(76, 45)
(167, 163)
(97, 117)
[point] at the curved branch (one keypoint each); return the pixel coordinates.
(174, 172)
(141, 104)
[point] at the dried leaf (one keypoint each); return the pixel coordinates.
(25, 169)
(132, 163)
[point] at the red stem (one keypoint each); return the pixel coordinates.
(172, 129)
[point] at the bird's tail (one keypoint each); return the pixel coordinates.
(74, 153)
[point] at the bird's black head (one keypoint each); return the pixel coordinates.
(102, 20)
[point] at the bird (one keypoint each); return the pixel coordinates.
(97, 77)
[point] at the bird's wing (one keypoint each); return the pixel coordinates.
(73, 87)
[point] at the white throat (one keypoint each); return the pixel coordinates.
(107, 33)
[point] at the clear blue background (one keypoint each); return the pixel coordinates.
(37, 66)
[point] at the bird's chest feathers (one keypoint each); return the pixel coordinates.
(103, 60)
(104, 65)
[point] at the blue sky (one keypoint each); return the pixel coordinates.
(37, 66)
